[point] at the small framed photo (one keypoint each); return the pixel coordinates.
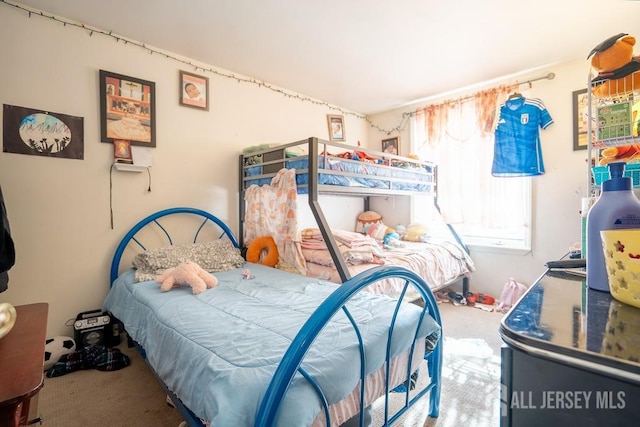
(391, 145)
(122, 151)
(336, 127)
(194, 91)
(127, 109)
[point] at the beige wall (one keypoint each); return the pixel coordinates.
(557, 194)
(59, 208)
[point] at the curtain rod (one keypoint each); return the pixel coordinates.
(548, 76)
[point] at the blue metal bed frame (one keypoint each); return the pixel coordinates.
(267, 414)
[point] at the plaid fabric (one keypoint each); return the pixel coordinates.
(90, 357)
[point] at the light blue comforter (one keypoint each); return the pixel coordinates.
(218, 350)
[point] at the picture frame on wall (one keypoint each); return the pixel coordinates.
(194, 91)
(122, 151)
(581, 120)
(127, 109)
(391, 145)
(336, 127)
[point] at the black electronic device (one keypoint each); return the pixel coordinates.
(567, 263)
(96, 327)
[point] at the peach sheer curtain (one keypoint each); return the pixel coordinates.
(458, 136)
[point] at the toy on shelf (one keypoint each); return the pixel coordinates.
(614, 65)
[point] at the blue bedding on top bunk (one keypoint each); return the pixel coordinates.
(378, 176)
(218, 350)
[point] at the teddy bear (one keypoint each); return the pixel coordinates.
(187, 274)
(614, 65)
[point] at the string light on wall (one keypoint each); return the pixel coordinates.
(239, 79)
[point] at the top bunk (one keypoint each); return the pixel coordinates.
(324, 167)
(330, 168)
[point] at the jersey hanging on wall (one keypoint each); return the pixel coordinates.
(517, 150)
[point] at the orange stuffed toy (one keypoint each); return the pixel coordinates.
(263, 250)
(614, 67)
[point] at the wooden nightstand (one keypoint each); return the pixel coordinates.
(22, 364)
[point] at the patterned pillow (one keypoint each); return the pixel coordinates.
(216, 255)
(367, 218)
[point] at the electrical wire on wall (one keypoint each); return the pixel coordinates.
(208, 69)
(197, 67)
(91, 31)
(111, 189)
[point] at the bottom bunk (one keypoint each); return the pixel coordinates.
(267, 347)
(330, 253)
(441, 263)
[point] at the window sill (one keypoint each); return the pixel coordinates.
(506, 250)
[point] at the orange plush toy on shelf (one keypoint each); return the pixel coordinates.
(614, 67)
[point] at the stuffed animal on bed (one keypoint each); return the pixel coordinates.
(187, 274)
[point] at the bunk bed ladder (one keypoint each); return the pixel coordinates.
(316, 209)
(454, 233)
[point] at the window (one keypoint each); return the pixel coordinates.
(487, 212)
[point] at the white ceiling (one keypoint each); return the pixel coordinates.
(364, 55)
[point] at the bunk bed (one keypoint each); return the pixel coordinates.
(267, 347)
(323, 167)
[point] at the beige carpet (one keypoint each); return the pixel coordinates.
(131, 397)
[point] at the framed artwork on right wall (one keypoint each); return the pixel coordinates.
(581, 120)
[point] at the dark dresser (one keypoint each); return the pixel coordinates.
(571, 357)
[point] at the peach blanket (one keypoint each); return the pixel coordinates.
(271, 211)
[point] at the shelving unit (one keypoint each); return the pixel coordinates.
(613, 121)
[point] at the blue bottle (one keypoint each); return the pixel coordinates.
(617, 207)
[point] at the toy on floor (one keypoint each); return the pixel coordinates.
(614, 65)
(187, 274)
(55, 348)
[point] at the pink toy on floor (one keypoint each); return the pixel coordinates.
(187, 274)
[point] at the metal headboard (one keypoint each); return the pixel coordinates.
(154, 219)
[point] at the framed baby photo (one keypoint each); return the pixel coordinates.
(127, 109)
(194, 91)
(391, 145)
(336, 127)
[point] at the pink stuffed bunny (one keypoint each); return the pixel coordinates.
(187, 274)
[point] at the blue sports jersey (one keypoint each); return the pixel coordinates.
(517, 150)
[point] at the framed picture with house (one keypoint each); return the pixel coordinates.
(127, 109)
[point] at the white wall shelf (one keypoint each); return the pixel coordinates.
(126, 167)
